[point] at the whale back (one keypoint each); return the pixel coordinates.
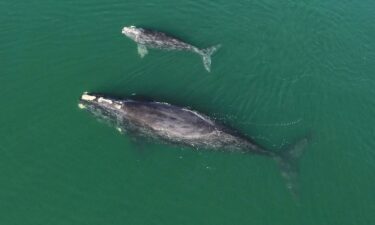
(156, 39)
(175, 122)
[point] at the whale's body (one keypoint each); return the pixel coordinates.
(168, 123)
(156, 39)
(146, 38)
(178, 125)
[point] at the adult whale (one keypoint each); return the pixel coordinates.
(155, 39)
(180, 125)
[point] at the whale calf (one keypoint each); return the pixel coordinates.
(146, 38)
(179, 125)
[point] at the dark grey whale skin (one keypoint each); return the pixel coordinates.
(156, 39)
(169, 123)
(146, 38)
(178, 125)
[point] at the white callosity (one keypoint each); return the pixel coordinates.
(87, 97)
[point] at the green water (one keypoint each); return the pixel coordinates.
(285, 69)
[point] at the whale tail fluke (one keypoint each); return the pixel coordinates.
(206, 55)
(288, 162)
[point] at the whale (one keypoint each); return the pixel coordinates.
(146, 38)
(177, 125)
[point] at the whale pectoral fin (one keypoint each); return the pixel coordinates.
(142, 50)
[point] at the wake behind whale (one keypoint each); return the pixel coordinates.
(154, 39)
(178, 125)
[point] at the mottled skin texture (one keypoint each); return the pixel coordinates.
(156, 39)
(169, 123)
(172, 124)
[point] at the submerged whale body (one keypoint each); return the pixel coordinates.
(180, 125)
(154, 39)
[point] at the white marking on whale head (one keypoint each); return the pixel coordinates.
(81, 106)
(101, 100)
(131, 32)
(87, 97)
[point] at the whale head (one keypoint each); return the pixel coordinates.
(131, 32)
(104, 108)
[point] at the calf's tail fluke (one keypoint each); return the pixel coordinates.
(288, 161)
(206, 55)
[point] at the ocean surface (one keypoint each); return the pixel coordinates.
(285, 69)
